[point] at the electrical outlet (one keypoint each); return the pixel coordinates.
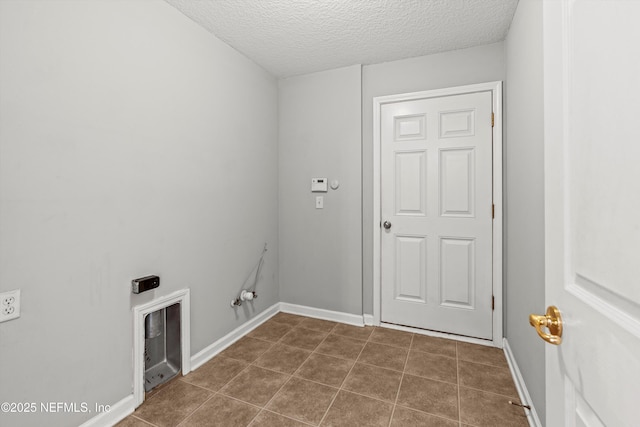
(9, 305)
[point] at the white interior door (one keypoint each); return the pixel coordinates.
(592, 197)
(436, 208)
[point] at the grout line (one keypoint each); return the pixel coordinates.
(246, 403)
(283, 416)
(276, 393)
(458, 381)
(404, 368)
(426, 378)
(190, 414)
(486, 364)
(380, 367)
(141, 419)
(292, 374)
(203, 388)
(240, 400)
(311, 352)
(234, 377)
(515, 397)
(344, 380)
(431, 414)
(433, 354)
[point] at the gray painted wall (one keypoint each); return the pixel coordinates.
(321, 249)
(132, 142)
(457, 68)
(524, 235)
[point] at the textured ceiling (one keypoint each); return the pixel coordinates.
(290, 37)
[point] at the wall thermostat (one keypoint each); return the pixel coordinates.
(319, 185)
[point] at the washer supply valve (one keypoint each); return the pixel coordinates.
(248, 295)
(244, 296)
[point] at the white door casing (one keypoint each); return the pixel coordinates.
(433, 181)
(592, 205)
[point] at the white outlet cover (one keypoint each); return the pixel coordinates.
(9, 305)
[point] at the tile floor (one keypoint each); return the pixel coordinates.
(298, 371)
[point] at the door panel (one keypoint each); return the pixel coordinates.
(411, 254)
(436, 191)
(592, 200)
(455, 124)
(457, 179)
(410, 128)
(457, 267)
(411, 183)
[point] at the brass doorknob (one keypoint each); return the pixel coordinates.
(552, 320)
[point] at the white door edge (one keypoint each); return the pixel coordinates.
(378, 102)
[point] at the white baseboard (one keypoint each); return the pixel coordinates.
(523, 393)
(114, 415)
(319, 313)
(209, 352)
(368, 319)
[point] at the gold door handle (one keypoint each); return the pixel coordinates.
(552, 321)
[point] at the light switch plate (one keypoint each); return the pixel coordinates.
(319, 202)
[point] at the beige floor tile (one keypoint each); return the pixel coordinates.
(270, 419)
(303, 400)
(223, 412)
(432, 366)
(435, 345)
(305, 339)
(482, 409)
(288, 319)
(486, 378)
(482, 354)
(255, 385)
(340, 346)
(283, 358)
(173, 404)
(404, 417)
(384, 356)
(247, 349)
(132, 421)
(391, 337)
(350, 331)
(270, 331)
(373, 381)
(349, 409)
(325, 369)
(317, 324)
(214, 374)
(434, 397)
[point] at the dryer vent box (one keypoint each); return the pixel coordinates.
(144, 284)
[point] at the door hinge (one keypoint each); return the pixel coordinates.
(493, 211)
(492, 119)
(493, 302)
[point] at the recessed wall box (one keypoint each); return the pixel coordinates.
(319, 185)
(144, 284)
